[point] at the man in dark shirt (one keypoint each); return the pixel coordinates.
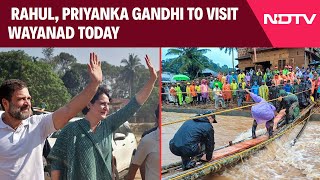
(290, 102)
(194, 138)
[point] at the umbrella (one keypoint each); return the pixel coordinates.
(181, 77)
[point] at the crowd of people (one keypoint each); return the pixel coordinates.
(224, 89)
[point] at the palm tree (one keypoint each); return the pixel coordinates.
(131, 65)
(230, 50)
(190, 60)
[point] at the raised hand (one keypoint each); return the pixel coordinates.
(65, 113)
(94, 69)
(145, 91)
(153, 73)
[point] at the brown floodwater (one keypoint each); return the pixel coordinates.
(279, 160)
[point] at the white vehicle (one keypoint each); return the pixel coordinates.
(124, 145)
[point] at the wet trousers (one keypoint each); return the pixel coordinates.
(186, 156)
(269, 126)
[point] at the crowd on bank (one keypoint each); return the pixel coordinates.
(224, 89)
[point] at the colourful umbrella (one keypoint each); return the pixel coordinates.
(181, 77)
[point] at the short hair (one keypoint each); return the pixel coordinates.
(101, 90)
(8, 87)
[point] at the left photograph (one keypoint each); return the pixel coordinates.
(79, 113)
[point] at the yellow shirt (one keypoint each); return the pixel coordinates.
(198, 89)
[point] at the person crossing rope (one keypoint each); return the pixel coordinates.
(262, 112)
(290, 102)
(193, 139)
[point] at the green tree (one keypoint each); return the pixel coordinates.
(131, 65)
(44, 85)
(110, 74)
(48, 54)
(147, 110)
(63, 62)
(190, 60)
(225, 69)
(72, 81)
(11, 64)
(112, 79)
(230, 51)
(82, 70)
(167, 66)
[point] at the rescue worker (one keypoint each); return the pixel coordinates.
(262, 112)
(194, 138)
(290, 102)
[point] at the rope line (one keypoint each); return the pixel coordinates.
(223, 111)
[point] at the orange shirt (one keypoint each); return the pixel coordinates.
(193, 91)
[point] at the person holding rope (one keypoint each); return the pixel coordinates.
(194, 138)
(291, 103)
(262, 112)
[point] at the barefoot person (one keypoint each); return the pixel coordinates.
(83, 149)
(22, 136)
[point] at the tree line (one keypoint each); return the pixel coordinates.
(191, 61)
(54, 80)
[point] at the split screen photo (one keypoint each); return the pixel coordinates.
(159, 113)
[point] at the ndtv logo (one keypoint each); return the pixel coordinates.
(288, 18)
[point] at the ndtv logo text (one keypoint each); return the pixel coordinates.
(288, 18)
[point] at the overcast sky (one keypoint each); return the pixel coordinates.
(218, 56)
(111, 55)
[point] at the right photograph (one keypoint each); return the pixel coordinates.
(240, 113)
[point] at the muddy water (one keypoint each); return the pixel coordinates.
(227, 129)
(280, 160)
